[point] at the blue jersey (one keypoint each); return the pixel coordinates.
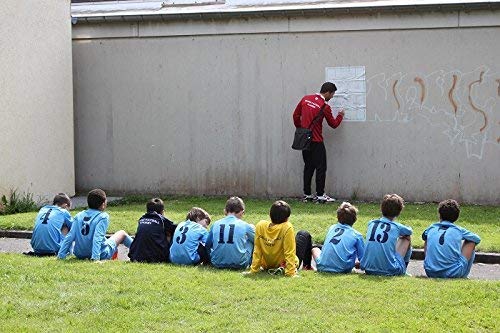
(380, 257)
(230, 243)
(88, 233)
(342, 246)
(443, 255)
(187, 237)
(47, 235)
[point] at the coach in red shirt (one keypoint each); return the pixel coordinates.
(315, 158)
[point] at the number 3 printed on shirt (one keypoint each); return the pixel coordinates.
(182, 238)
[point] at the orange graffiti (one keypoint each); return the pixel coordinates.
(422, 88)
(394, 93)
(450, 94)
(475, 108)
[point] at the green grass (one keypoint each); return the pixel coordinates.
(483, 220)
(45, 294)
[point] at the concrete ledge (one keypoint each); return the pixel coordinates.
(418, 254)
(22, 234)
(481, 257)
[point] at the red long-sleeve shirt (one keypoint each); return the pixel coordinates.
(307, 109)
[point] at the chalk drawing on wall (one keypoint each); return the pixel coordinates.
(351, 93)
(465, 106)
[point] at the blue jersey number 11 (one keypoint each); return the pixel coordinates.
(230, 237)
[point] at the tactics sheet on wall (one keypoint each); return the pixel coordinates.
(351, 91)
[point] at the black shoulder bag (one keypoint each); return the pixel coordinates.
(303, 136)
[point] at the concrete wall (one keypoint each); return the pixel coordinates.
(205, 107)
(36, 98)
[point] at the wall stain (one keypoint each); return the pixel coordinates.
(422, 89)
(472, 104)
(450, 94)
(498, 89)
(394, 93)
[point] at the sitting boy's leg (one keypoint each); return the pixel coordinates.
(203, 253)
(303, 250)
(403, 247)
(121, 237)
(468, 251)
(316, 253)
(64, 230)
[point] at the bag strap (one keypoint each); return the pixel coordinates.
(315, 119)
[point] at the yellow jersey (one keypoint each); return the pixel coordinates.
(274, 246)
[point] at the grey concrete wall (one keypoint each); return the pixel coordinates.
(36, 98)
(205, 107)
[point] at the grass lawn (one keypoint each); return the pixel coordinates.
(483, 220)
(44, 294)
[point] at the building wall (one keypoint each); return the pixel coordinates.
(36, 98)
(205, 107)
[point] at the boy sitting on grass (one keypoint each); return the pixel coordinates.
(154, 234)
(51, 226)
(344, 246)
(449, 249)
(274, 247)
(230, 240)
(190, 237)
(89, 232)
(388, 243)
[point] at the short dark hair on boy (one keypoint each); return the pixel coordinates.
(197, 214)
(328, 87)
(234, 205)
(449, 210)
(61, 198)
(280, 212)
(347, 213)
(392, 205)
(96, 198)
(155, 205)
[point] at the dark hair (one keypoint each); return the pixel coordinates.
(234, 205)
(328, 87)
(392, 205)
(96, 198)
(347, 213)
(449, 210)
(280, 212)
(155, 205)
(197, 214)
(60, 199)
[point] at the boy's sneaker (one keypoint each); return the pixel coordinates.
(324, 199)
(308, 198)
(276, 271)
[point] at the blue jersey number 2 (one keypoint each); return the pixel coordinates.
(334, 239)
